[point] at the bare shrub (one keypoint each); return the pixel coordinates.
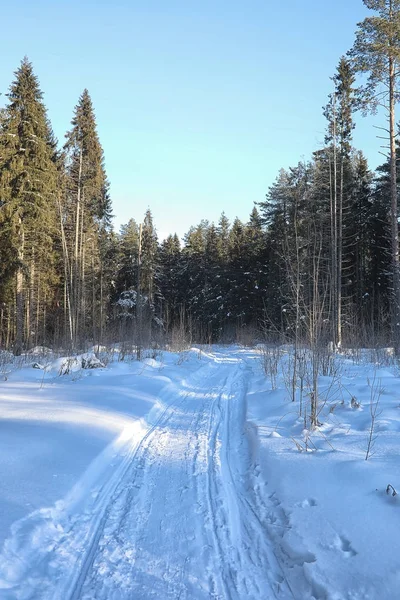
(247, 335)
(6, 360)
(270, 359)
(390, 490)
(375, 412)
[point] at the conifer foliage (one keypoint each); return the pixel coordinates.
(86, 214)
(28, 212)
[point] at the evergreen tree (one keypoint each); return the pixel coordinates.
(169, 280)
(340, 125)
(87, 211)
(369, 250)
(255, 267)
(28, 206)
(376, 51)
(236, 277)
(149, 256)
(223, 237)
(193, 277)
(213, 284)
(128, 252)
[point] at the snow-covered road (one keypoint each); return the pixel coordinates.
(176, 518)
(182, 478)
(179, 523)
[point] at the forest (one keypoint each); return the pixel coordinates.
(317, 259)
(213, 415)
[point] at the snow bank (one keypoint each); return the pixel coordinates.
(312, 511)
(337, 524)
(72, 364)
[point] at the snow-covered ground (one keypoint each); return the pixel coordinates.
(191, 476)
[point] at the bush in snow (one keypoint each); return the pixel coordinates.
(40, 351)
(90, 361)
(72, 364)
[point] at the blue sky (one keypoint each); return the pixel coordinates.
(199, 104)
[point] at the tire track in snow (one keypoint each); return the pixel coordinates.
(249, 568)
(135, 504)
(75, 590)
(179, 508)
(211, 486)
(258, 550)
(66, 541)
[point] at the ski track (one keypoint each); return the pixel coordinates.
(182, 517)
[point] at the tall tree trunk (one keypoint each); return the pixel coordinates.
(19, 298)
(334, 228)
(101, 305)
(68, 316)
(139, 299)
(38, 301)
(393, 211)
(340, 252)
(75, 272)
(94, 331)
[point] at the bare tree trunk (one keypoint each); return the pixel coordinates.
(93, 299)
(334, 229)
(139, 299)
(82, 316)
(38, 300)
(316, 318)
(44, 323)
(101, 305)
(393, 211)
(28, 317)
(9, 329)
(30, 301)
(340, 254)
(75, 272)
(19, 298)
(67, 281)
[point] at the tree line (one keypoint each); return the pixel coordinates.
(317, 260)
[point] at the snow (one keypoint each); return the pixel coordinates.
(194, 477)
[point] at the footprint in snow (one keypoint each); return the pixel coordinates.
(306, 503)
(344, 545)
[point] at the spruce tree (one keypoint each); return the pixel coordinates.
(149, 258)
(369, 240)
(169, 281)
(339, 112)
(223, 237)
(87, 210)
(193, 277)
(128, 250)
(28, 205)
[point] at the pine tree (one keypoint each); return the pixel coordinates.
(376, 51)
